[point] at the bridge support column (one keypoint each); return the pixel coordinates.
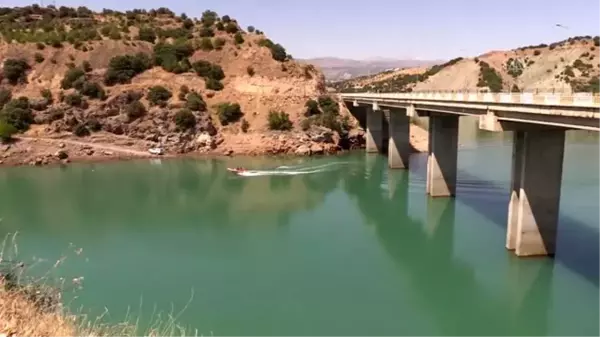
(399, 142)
(537, 176)
(513, 203)
(443, 148)
(374, 142)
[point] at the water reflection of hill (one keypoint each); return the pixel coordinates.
(143, 195)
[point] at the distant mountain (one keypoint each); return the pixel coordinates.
(337, 69)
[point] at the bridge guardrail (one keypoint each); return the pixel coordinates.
(581, 99)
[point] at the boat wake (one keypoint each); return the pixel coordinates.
(290, 170)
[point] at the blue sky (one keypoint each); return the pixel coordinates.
(423, 29)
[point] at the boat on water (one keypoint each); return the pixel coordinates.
(236, 170)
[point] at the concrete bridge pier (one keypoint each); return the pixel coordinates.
(399, 139)
(443, 150)
(533, 209)
(375, 132)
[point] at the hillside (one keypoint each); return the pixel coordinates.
(159, 80)
(569, 65)
(337, 69)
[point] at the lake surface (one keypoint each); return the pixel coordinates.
(355, 249)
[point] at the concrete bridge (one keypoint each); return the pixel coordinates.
(538, 122)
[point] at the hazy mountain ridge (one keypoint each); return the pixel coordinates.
(336, 69)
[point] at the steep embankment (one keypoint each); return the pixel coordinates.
(570, 65)
(186, 85)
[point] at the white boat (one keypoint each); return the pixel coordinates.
(156, 150)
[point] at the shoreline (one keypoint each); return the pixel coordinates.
(51, 151)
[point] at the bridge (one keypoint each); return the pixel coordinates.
(538, 122)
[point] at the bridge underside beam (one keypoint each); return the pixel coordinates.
(443, 148)
(536, 182)
(399, 147)
(491, 122)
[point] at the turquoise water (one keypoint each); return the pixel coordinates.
(355, 249)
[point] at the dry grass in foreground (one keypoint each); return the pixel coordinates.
(32, 306)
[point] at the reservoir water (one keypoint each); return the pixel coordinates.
(354, 249)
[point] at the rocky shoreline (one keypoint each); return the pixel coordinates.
(62, 149)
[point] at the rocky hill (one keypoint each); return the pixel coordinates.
(569, 65)
(157, 79)
(337, 69)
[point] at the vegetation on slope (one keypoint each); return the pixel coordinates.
(178, 44)
(551, 66)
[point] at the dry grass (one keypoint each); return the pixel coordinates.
(32, 306)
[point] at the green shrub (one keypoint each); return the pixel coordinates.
(536, 52)
(251, 29)
(15, 70)
(250, 71)
(312, 108)
(245, 125)
(238, 38)
(206, 32)
(229, 113)
(515, 88)
(17, 113)
(187, 24)
(74, 100)
(220, 26)
(93, 125)
(47, 95)
(183, 91)
(212, 84)
(218, 43)
(5, 96)
(195, 102)
(226, 19)
(278, 53)
(158, 95)
(206, 44)
(173, 57)
(279, 120)
(208, 18)
(81, 130)
(184, 119)
(147, 34)
(40, 46)
(72, 75)
(6, 131)
(488, 77)
(596, 41)
(93, 90)
(121, 69)
(39, 58)
(86, 66)
(135, 109)
(231, 28)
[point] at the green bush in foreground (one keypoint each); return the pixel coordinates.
(195, 102)
(6, 131)
(229, 113)
(185, 119)
(15, 70)
(135, 110)
(158, 95)
(279, 120)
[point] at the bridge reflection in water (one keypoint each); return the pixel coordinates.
(447, 287)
